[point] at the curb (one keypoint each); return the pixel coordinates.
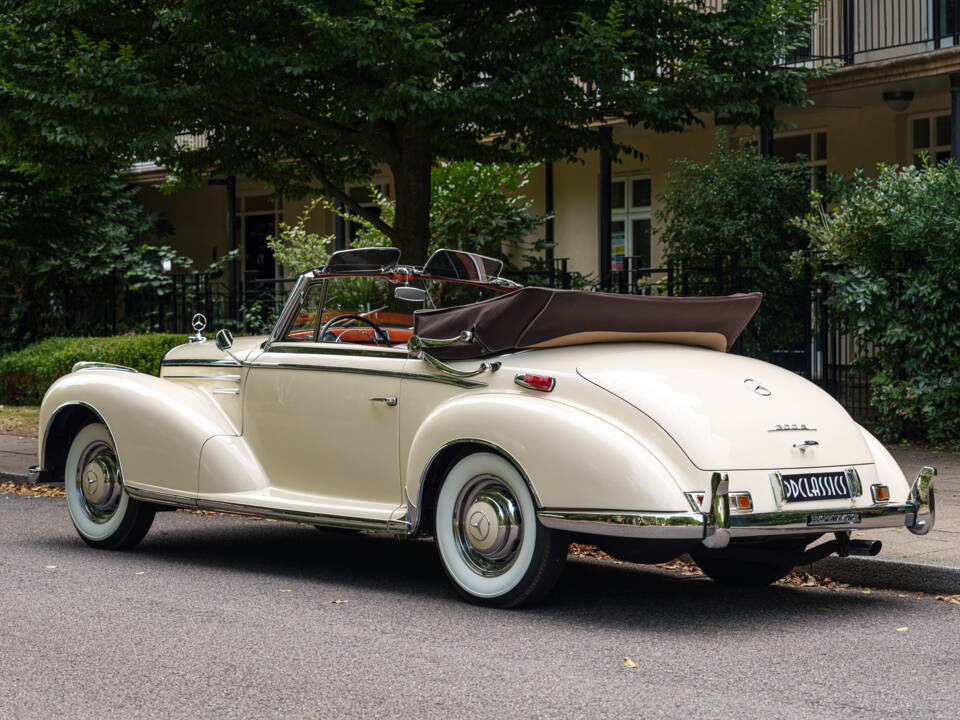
(889, 574)
(14, 478)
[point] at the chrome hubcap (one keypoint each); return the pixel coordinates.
(487, 525)
(99, 485)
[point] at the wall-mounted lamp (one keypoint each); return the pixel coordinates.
(898, 100)
(166, 265)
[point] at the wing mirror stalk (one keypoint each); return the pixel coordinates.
(225, 342)
(415, 349)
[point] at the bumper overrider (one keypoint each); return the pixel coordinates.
(716, 525)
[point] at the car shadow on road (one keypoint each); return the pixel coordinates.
(590, 592)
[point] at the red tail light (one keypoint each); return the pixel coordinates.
(543, 383)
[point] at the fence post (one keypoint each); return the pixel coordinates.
(848, 28)
(564, 274)
(956, 22)
(670, 280)
(718, 273)
(937, 24)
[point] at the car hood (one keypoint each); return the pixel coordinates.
(728, 412)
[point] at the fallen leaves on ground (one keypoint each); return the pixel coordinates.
(902, 629)
(32, 490)
(953, 599)
(686, 567)
(578, 550)
(336, 602)
(628, 663)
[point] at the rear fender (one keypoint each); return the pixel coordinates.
(571, 459)
(158, 426)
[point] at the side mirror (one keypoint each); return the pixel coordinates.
(225, 342)
(410, 294)
(224, 339)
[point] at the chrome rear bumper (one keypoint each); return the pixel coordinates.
(716, 526)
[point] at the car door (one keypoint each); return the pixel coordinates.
(322, 420)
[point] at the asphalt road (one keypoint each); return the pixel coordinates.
(218, 617)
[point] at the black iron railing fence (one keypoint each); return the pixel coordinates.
(796, 327)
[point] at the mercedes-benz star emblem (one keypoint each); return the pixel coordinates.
(480, 525)
(756, 387)
(199, 322)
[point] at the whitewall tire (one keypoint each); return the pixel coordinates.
(101, 511)
(490, 543)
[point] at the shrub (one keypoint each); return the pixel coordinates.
(26, 374)
(890, 249)
(741, 203)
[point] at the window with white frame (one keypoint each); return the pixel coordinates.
(806, 146)
(630, 245)
(930, 133)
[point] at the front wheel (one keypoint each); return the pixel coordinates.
(101, 511)
(491, 545)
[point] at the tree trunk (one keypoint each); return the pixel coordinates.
(411, 179)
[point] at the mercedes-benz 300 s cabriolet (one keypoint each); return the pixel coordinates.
(503, 421)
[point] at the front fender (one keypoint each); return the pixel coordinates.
(572, 459)
(158, 426)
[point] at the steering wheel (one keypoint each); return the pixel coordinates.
(380, 336)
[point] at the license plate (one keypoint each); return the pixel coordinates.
(815, 486)
(833, 519)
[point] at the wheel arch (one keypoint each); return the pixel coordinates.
(64, 424)
(420, 515)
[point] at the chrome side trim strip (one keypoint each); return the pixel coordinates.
(459, 382)
(400, 354)
(224, 362)
(161, 498)
(225, 391)
(340, 521)
(225, 378)
(661, 525)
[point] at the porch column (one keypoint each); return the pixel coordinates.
(605, 209)
(231, 187)
(955, 117)
(766, 132)
(548, 209)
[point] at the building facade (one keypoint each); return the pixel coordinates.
(894, 92)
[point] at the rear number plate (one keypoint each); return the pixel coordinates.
(833, 519)
(815, 486)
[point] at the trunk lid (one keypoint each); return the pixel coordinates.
(728, 412)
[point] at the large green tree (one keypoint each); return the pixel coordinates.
(306, 93)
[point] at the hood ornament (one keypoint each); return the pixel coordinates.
(756, 387)
(198, 322)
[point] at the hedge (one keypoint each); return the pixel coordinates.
(26, 374)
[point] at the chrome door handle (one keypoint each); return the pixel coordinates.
(804, 444)
(391, 401)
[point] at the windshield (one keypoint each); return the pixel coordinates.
(351, 309)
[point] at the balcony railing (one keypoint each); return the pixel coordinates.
(844, 32)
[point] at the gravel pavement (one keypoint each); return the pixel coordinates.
(220, 617)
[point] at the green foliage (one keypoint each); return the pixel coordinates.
(740, 203)
(475, 207)
(890, 249)
(26, 374)
(61, 248)
(341, 88)
(480, 207)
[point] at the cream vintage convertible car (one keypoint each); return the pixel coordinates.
(503, 421)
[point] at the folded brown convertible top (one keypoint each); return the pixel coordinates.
(540, 317)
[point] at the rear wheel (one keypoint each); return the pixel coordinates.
(101, 511)
(490, 543)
